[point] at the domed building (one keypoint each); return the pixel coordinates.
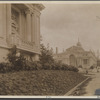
(77, 56)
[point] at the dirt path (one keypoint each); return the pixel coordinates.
(89, 87)
(93, 85)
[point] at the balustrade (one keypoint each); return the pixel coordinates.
(22, 43)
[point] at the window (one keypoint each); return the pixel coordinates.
(85, 61)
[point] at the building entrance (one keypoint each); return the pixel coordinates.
(72, 60)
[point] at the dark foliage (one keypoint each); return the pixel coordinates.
(16, 58)
(92, 67)
(5, 67)
(48, 63)
(46, 56)
(80, 66)
(17, 62)
(39, 82)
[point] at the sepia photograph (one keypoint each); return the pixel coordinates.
(50, 49)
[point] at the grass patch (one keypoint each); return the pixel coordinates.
(39, 82)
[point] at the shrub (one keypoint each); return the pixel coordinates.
(18, 62)
(28, 66)
(65, 67)
(56, 66)
(92, 67)
(61, 66)
(72, 68)
(5, 67)
(46, 57)
(80, 66)
(12, 55)
(32, 65)
(46, 66)
(48, 63)
(16, 58)
(37, 65)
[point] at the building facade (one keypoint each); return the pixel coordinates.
(77, 56)
(20, 26)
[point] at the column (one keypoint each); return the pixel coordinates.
(38, 32)
(4, 20)
(36, 57)
(8, 21)
(23, 25)
(1, 20)
(33, 28)
(20, 24)
(28, 25)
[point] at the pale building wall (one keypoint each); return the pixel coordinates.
(26, 35)
(3, 54)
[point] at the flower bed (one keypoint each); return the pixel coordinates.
(39, 82)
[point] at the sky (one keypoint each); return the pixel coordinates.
(63, 24)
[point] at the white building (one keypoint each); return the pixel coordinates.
(20, 26)
(77, 56)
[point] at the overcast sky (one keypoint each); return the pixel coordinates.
(63, 24)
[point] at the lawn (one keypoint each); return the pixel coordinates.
(39, 82)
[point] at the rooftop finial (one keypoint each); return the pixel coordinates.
(78, 39)
(78, 44)
(56, 50)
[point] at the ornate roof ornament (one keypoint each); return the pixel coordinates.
(78, 43)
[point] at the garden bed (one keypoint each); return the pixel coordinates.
(39, 82)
